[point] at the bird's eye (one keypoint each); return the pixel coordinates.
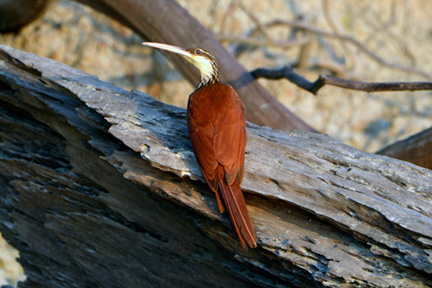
(198, 51)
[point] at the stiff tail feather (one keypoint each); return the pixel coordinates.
(236, 207)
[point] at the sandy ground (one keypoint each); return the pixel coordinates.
(399, 32)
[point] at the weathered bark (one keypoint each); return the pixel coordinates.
(416, 149)
(167, 22)
(85, 210)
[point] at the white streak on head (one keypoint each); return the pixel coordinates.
(204, 65)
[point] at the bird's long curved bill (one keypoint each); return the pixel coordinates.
(169, 48)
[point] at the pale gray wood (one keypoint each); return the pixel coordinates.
(82, 205)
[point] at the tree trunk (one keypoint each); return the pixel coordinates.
(85, 210)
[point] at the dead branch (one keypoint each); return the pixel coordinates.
(313, 87)
(336, 30)
(347, 38)
(255, 42)
(384, 27)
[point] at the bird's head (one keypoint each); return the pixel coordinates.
(203, 60)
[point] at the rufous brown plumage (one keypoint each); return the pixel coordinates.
(217, 129)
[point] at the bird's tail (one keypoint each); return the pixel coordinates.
(236, 207)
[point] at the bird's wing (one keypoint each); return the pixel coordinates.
(230, 139)
(202, 144)
(217, 130)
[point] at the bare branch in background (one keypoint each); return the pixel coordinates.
(355, 42)
(385, 28)
(251, 41)
(260, 27)
(228, 12)
(254, 19)
(348, 49)
(313, 87)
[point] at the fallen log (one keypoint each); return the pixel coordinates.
(99, 188)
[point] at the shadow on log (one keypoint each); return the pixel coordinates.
(85, 210)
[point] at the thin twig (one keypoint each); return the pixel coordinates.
(313, 87)
(359, 45)
(330, 21)
(259, 42)
(227, 14)
(253, 18)
(385, 28)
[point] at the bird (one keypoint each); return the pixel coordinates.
(217, 130)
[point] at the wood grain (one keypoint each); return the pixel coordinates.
(99, 188)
